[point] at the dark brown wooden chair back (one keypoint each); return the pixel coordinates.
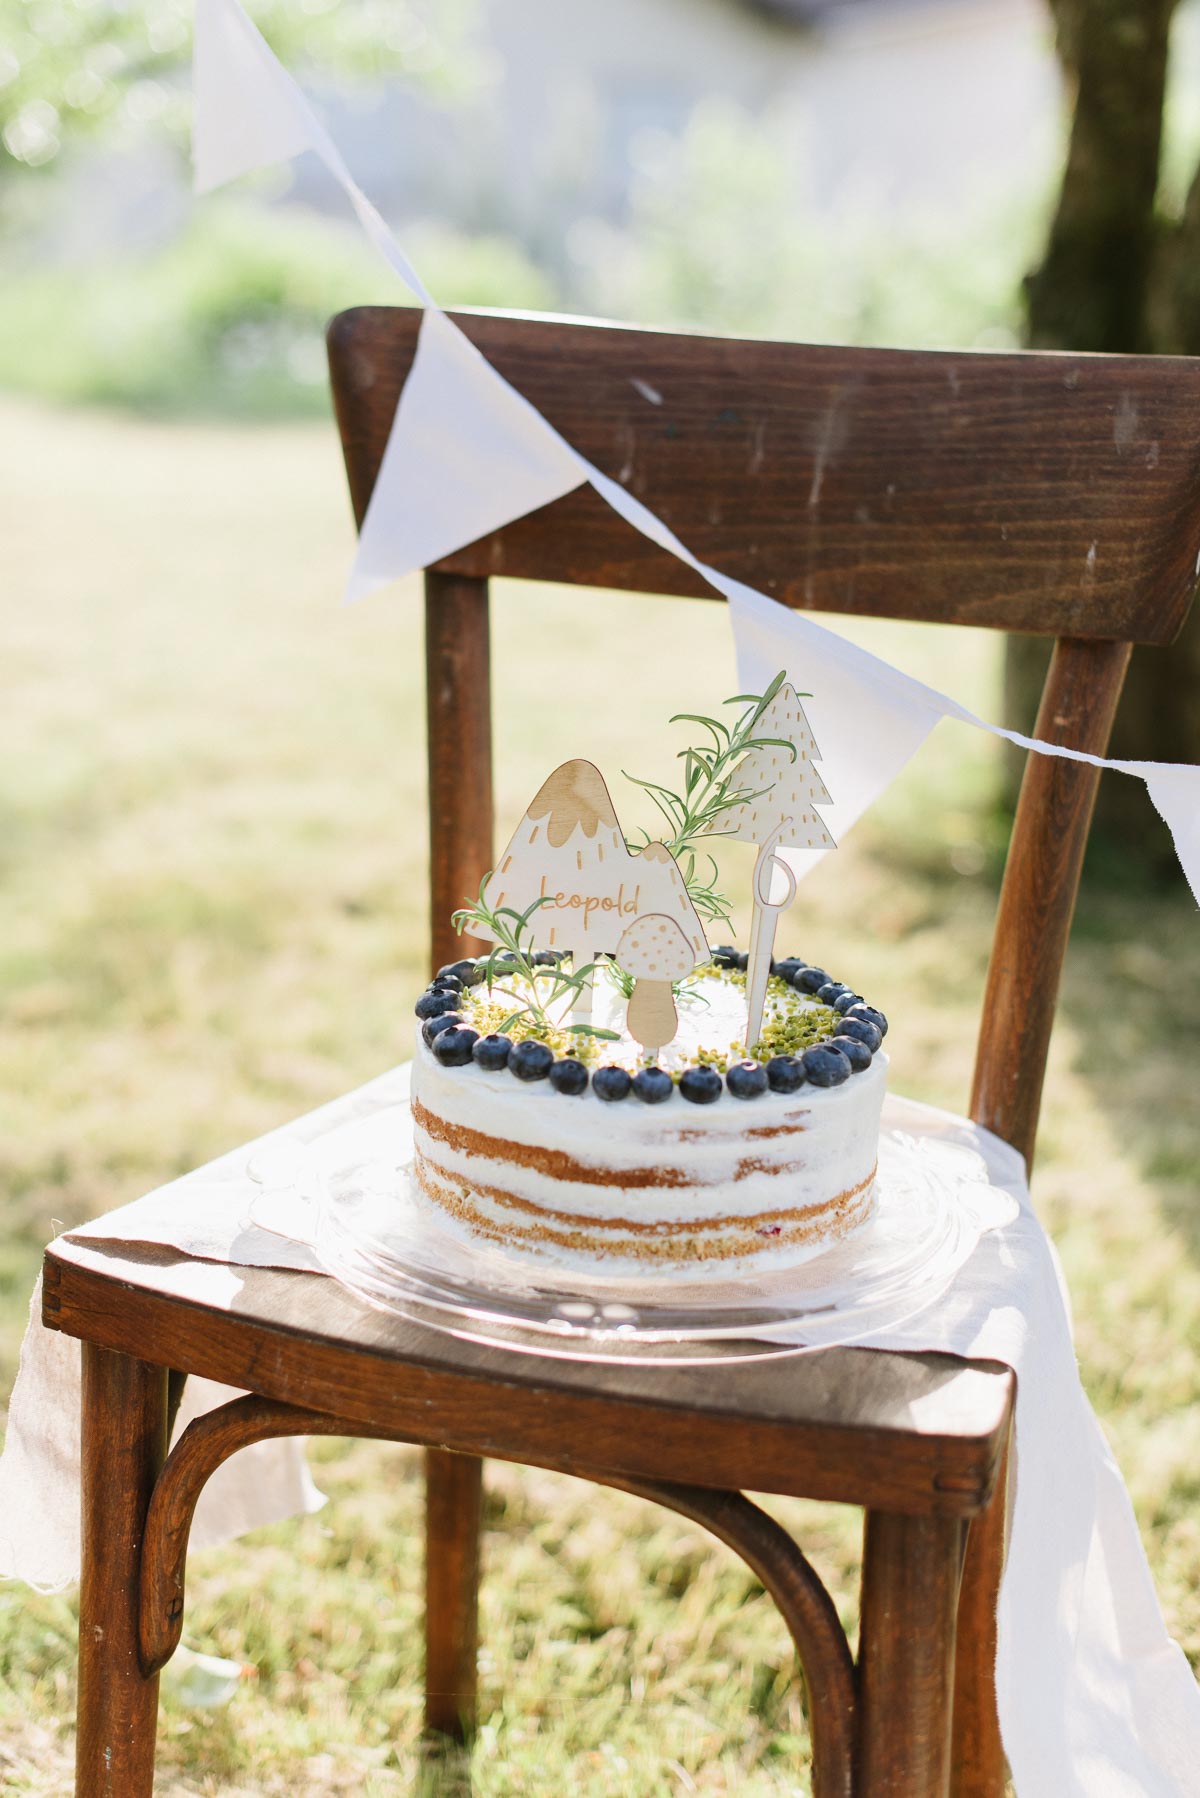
(1026, 492)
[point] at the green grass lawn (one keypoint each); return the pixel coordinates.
(212, 872)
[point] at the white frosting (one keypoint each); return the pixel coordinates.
(734, 1173)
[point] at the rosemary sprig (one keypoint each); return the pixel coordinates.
(708, 792)
(512, 955)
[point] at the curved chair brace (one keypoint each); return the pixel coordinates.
(204, 1445)
(802, 1601)
(763, 1544)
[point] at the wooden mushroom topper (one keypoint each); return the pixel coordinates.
(655, 951)
(662, 888)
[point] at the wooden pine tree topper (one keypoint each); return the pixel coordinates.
(782, 814)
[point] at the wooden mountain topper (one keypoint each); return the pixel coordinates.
(569, 851)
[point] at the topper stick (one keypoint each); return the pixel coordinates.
(755, 929)
(762, 937)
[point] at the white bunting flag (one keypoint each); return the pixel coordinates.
(1174, 788)
(467, 454)
(248, 113)
(458, 421)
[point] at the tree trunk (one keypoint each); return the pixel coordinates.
(1114, 278)
(1090, 291)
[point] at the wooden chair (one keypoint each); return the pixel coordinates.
(1051, 494)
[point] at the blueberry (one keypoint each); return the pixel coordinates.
(810, 980)
(467, 973)
(652, 1086)
(700, 1085)
(831, 992)
(610, 1082)
(491, 1053)
(445, 983)
(862, 1029)
(842, 1005)
(785, 1073)
(569, 1076)
(725, 957)
(432, 1005)
(446, 1020)
(531, 1060)
(856, 1053)
(788, 968)
(825, 1066)
(547, 958)
(453, 1047)
(872, 1016)
(746, 1079)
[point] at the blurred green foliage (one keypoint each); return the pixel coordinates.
(229, 319)
(69, 66)
(717, 239)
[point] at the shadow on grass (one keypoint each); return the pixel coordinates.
(1130, 990)
(444, 1770)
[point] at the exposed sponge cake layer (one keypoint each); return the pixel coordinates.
(575, 1182)
(611, 1245)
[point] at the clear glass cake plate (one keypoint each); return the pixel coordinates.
(352, 1199)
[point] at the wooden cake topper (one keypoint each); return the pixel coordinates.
(656, 952)
(662, 888)
(781, 815)
(569, 860)
(569, 850)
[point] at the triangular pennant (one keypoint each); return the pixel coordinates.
(467, 453)
(848, 686)
(1175, 789)
(248, 112)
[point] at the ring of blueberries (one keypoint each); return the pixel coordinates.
(860, 1032)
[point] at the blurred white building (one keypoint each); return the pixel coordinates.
(886, 106)
(891, 103)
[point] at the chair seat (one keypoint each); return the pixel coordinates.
(902, 1432)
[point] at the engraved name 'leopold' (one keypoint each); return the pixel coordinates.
(587, 903)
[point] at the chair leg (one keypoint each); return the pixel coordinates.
(453, 1516)
(978, 1754)
(124, 1442)
(911, 1569)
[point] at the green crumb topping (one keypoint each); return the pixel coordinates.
(720, 1059)
(791, 1032)
(492, 1013)
(791, 1024)
(734, 977)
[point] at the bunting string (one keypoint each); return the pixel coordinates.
(467, 454)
